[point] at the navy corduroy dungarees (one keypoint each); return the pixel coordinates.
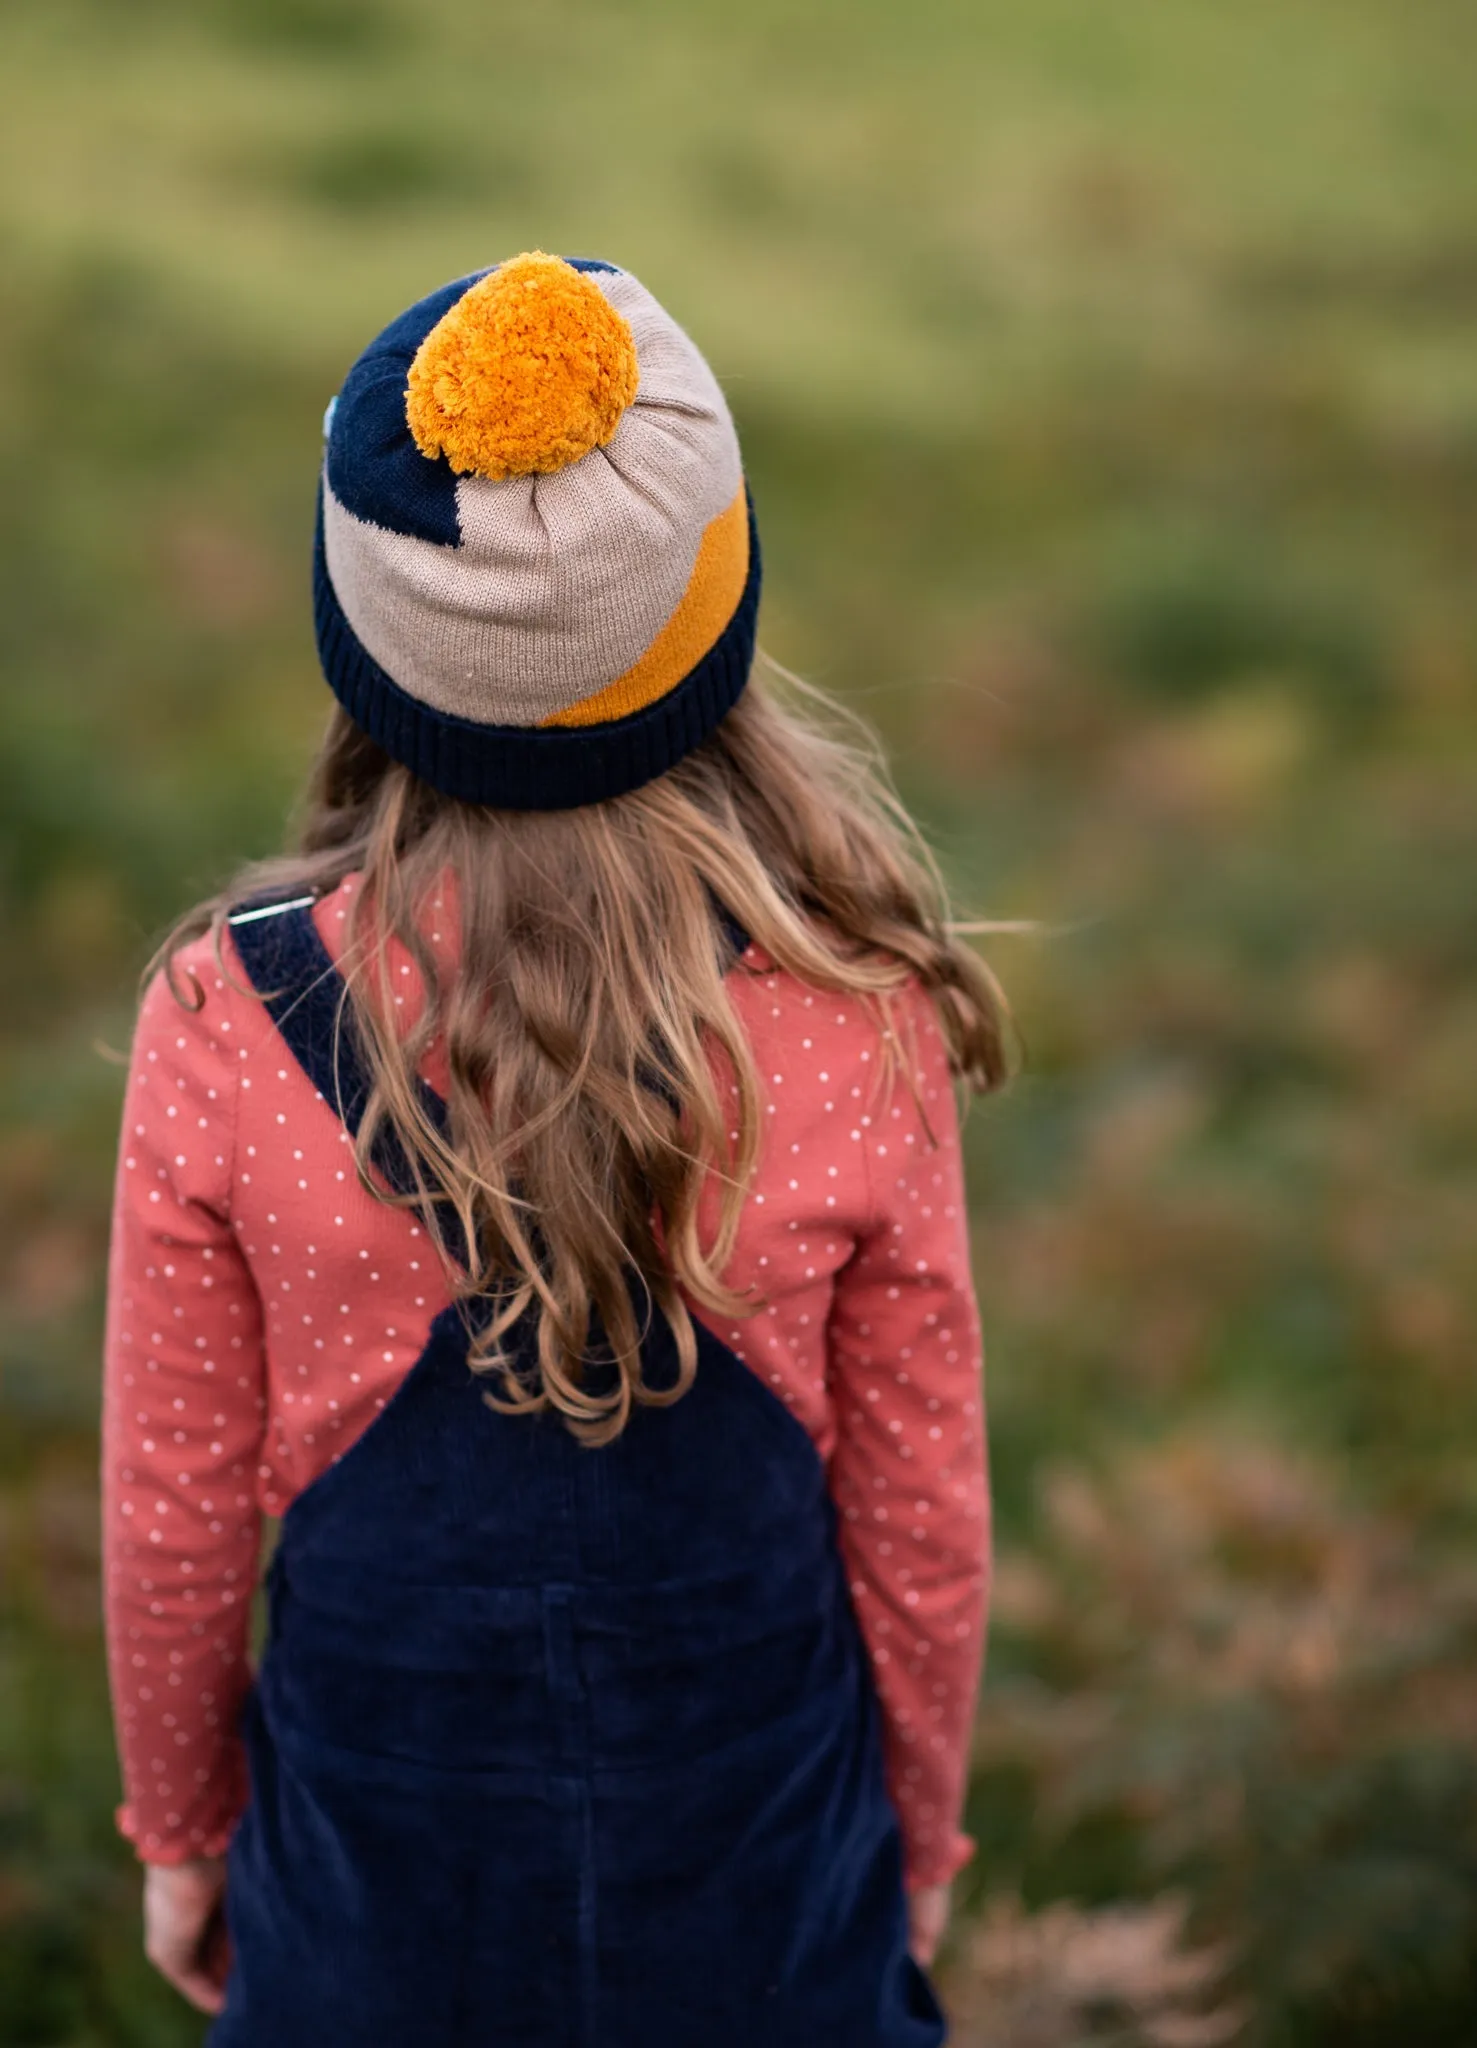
(556, 1746)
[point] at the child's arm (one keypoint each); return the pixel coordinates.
(183, 1409)
(908, 1474)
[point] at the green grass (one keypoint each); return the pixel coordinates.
(1106, 382)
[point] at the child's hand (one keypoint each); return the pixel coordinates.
(928, 1916)
(184, 1928)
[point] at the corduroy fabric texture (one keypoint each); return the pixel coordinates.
(556, 636)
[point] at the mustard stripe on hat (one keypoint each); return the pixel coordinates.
(537, 568)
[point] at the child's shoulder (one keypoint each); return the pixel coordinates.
(199, 1004)
(834, 1035)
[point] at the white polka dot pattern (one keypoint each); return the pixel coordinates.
(263, 1307)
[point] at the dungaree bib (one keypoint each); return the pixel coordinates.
(558, 1747)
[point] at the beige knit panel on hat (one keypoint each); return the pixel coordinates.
(561, 583)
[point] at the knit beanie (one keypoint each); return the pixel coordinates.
(536, 569)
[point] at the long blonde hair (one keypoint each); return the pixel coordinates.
(590, 1041)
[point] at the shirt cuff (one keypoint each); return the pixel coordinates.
(178, 1848)
(939, 1865)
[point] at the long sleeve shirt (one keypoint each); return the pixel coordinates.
(263, 1306)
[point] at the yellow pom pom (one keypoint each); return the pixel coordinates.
(530, 370)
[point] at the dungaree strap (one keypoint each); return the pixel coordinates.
(305, 996)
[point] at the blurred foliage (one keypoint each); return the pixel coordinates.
(1106, 381)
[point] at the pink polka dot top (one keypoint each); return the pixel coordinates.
(263, 1306)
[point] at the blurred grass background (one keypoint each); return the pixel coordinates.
(1107, 382)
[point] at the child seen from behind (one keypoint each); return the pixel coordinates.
(541, 1189)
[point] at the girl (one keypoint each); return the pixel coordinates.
(542, 1190)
